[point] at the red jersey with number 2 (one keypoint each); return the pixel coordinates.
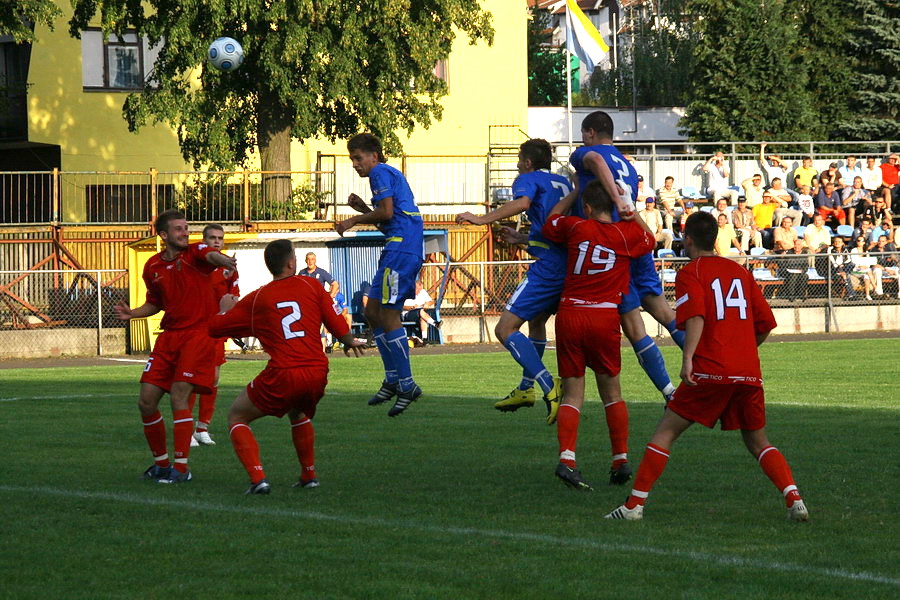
(286, 316)
(734, 311)
(597, 263)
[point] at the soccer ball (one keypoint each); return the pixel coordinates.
(225, 54)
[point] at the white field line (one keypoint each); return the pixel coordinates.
(71, 397)
(516, 536)
(126, 360)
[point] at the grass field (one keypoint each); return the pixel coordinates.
(452, 499)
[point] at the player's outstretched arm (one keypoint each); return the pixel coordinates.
(565, 203)
(221, 260)
(125, 313)
(358, 204)
(511, 236)
(383, 212)
(351, 344)
(693, 328)
(510, 209)
(622, 198)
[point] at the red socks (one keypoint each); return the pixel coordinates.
(652, 466)
(207, 409)
(182, 430)
(155, 432)
(617, 423)
(247, 451)
(304, 437)
(777, 469)
(567, 419)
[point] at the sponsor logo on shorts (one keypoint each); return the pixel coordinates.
(186, 374)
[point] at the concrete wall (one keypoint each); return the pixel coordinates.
(42, 343)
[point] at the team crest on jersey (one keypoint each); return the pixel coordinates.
(201, 246)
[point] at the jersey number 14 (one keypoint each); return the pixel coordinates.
(733, 299)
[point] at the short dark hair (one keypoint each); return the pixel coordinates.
(596, 196)
(600, 122)
(538, 151)
(165, 217)
(668, 178)
(774, 179)
(366, 142)
(211, 227)
(702, 228)
(277, 254)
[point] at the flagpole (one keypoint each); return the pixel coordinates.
(569, 97)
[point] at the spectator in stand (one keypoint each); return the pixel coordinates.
(753, 190)
(340, 303)
(414, 308)
(763, 214)
(745, 226)
(871, 175)
(806, 205)
(669, 197)
(885, 263)
(717, 175)
(783, 200)
(890, 189)
(882, 219)
(804, 174)
(772, 164)
(642, 192)
(785, 236)
(833, 175)
(850, 170)
(654, 220)
(726, 239)
(818, 240)
(793, 271)
(689, 209)
(828, 204)
(853, 198)
(721, 209)
(864, 228)
(841, 267)
(862, 272)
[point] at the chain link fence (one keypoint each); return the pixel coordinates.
(61, 312)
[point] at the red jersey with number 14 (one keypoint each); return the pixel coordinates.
(598, 258)
(286, 316)
(182, 287)
(734, 311)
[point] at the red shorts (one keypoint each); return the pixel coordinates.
(277, 391)
(588, 337)
(182, 355)
(220, 351)
(736, 405)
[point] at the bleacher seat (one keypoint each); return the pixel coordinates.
(691, 193)
(800, 229)
(708, 209)
(845, 231)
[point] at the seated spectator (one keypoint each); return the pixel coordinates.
(753, 190)
(806, 205)
(793, 271)
(689, 209)
(643, 193)
(784, 199)
(654, 220)
(415, 309)
(785, 236)
(745, 226)
(890, 189)
(833, 176)
(885, 264)
(871, 175)
(340, 303)
(763, 214)
(717, 174)
(841, 268)
(828, 204)
(864, 229)
(818, 241)
(726, 239)
(803, 175)
(669, 199)
(721, 208)
(853, 197)
(850, 170)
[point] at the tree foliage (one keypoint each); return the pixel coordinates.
(327, 68)
(16, 17)
(749, 81)
(546, 63)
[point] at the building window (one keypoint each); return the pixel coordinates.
(442, 70)
(117, 63)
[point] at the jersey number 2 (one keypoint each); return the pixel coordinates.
(290, 319)
(733, 299)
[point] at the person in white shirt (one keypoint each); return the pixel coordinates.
(806, 204)
(850, 169)
(871, 175)
(717, 179)
(415, 308)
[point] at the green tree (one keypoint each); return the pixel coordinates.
(748, 81)
(874, 98)
(546, 63)
(17, 17)
(327, 68)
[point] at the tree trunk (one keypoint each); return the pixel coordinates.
(274, 140)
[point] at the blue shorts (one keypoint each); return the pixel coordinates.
(395, 279)
(644, 282)
(535, 296)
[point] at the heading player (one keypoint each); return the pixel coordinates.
(286, 316)
(183, 358)
(398, 217)
(725, 318)
(536, 190)
(646, 289)
(599, 254)
(224, 282)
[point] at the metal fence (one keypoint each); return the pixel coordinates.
(59, 312)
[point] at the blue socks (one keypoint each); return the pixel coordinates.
(539, 346)
(390, 372)
(677, 334)
(651, 360)
(397, 346)
(526, 354)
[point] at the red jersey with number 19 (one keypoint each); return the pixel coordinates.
(597, 269)
(286, 316)
(734, 311)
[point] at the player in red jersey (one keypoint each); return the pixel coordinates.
(725, 318)
(181, 362)
(286, 315)
(224, 282)
(599, 254)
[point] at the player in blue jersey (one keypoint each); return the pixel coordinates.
(535, 191)
(397, 216)
(645, 290)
